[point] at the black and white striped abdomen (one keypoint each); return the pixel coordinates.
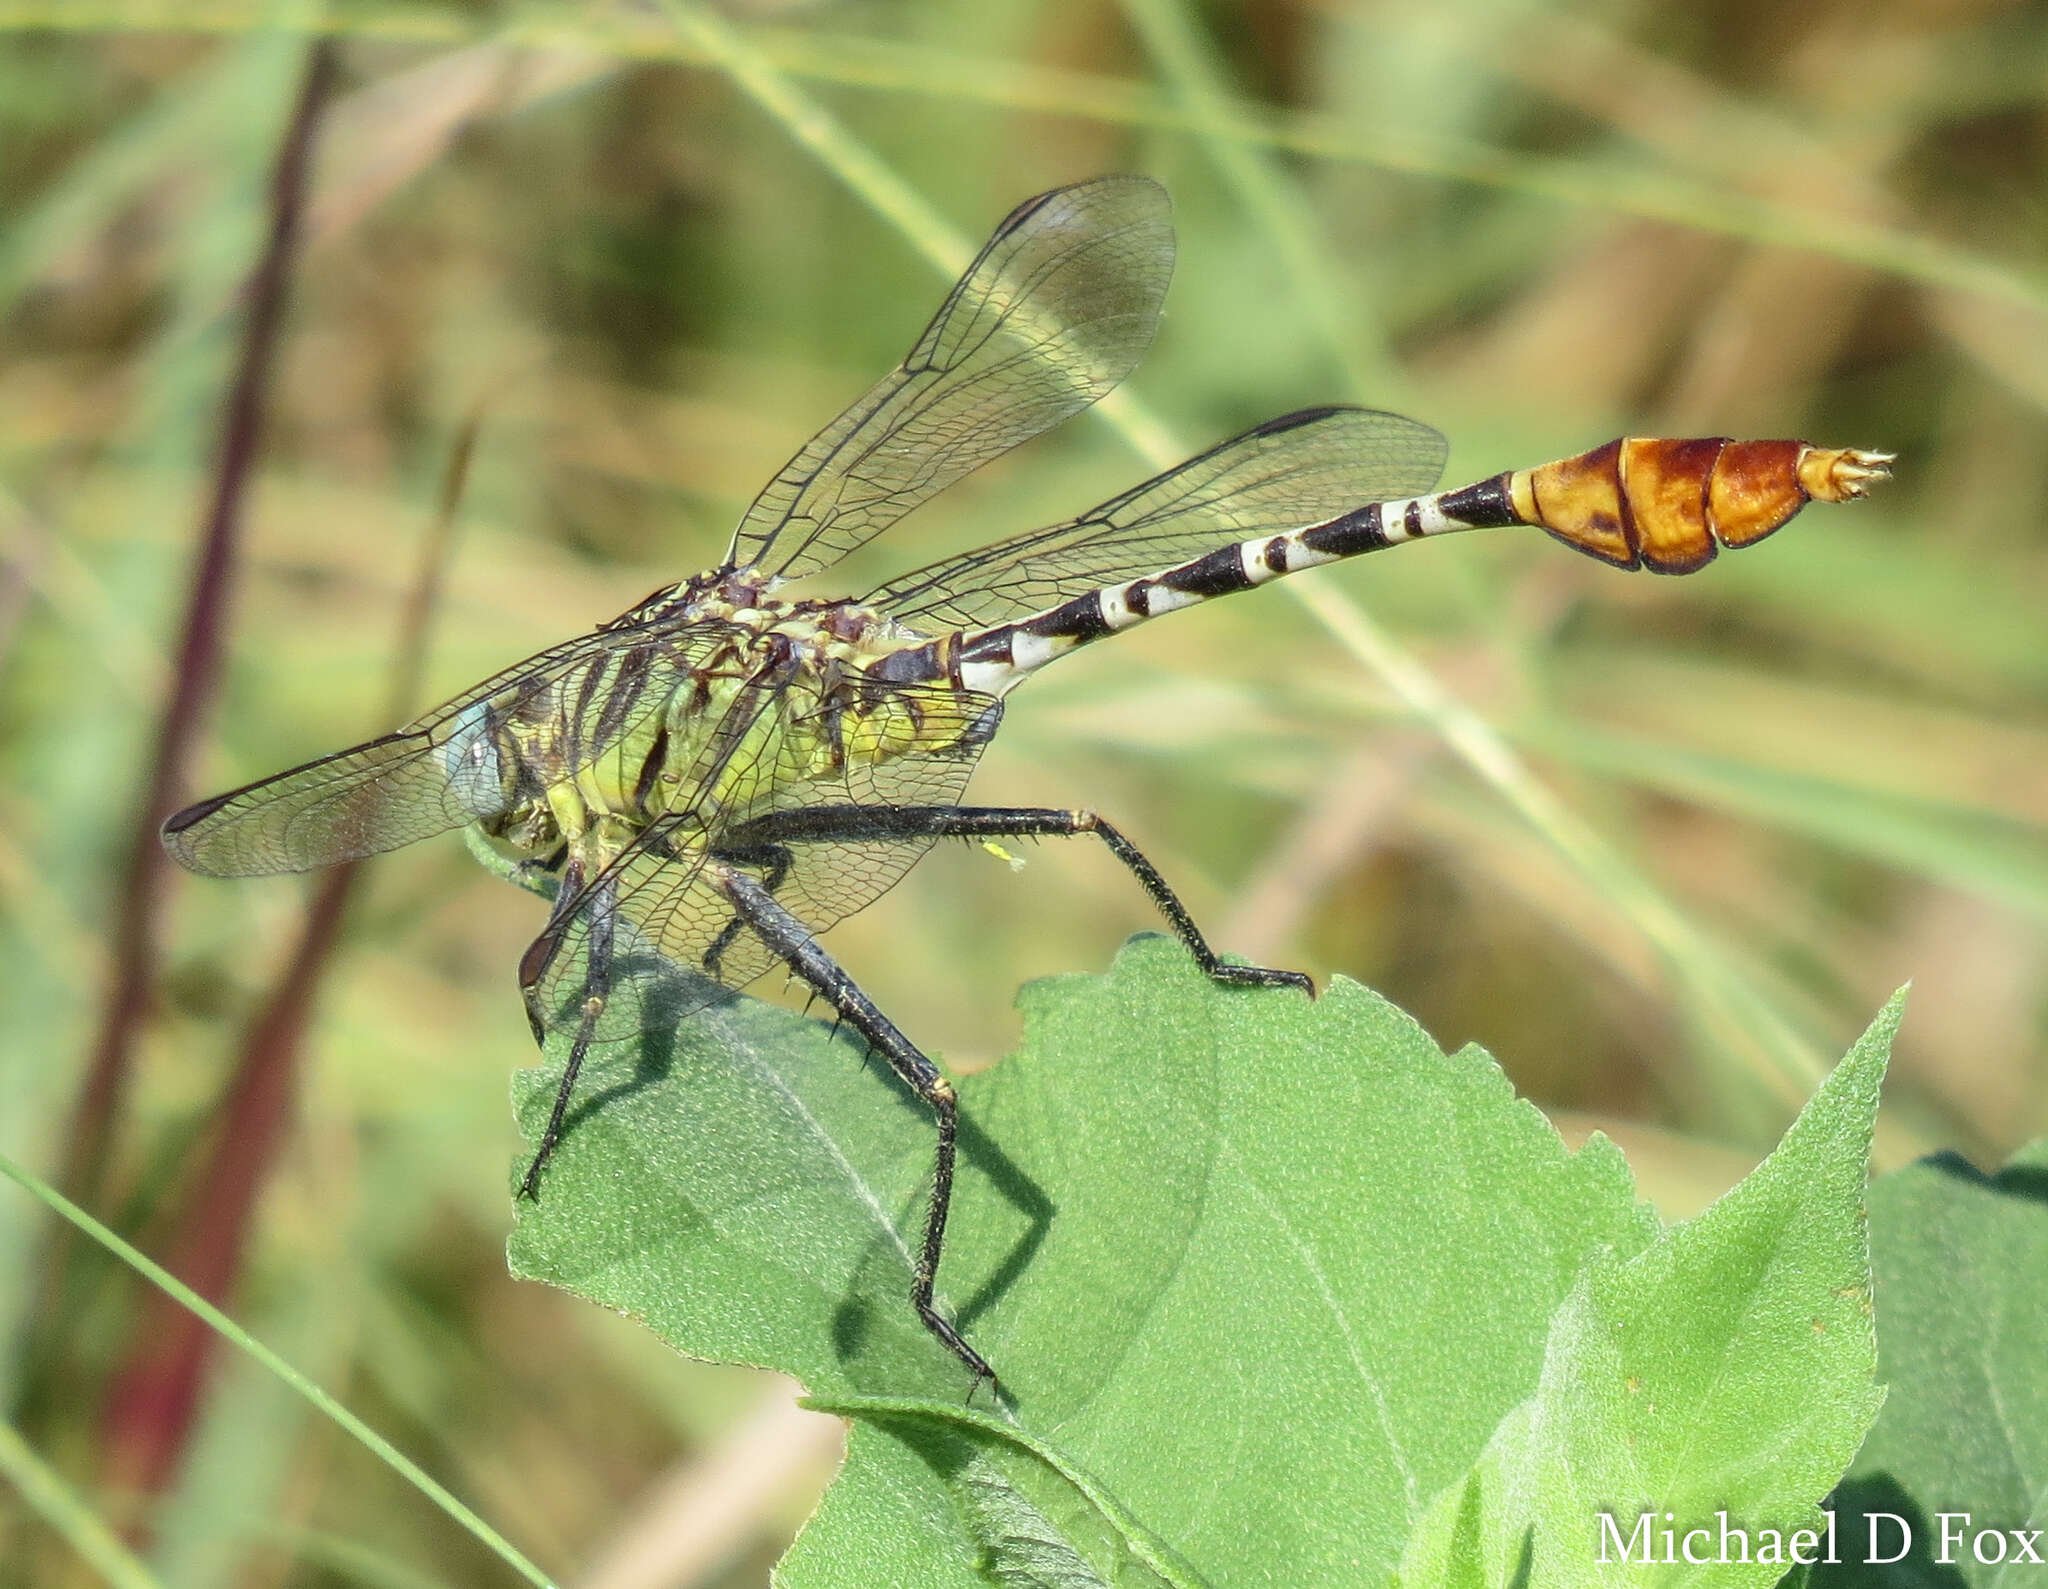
(1638, 503)
(997, 659)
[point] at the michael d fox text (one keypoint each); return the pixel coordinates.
(1953, 1539)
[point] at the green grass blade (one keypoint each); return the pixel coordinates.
(1609, 185)
(58, 1505)
(1984, 852)
(1268, 196)
(242, 1341)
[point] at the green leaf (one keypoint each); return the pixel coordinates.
(1018, 1514)
(1961, 1263)
(1262, 1275)
(1728, 1367)
(884, 1521)
(741, 1183)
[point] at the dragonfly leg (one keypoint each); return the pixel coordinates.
(540, 954)
(798, 948)
(773, 862)
(850, 823)
(597, 986)
(540, 875)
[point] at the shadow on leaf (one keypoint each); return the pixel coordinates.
(1877, 1500)
(2027, 1181)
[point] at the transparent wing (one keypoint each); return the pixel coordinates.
(469, 759)
(667, 915)
(828, 882)
(1058, 308)
(1289, 473)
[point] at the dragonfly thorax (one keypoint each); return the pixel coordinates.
(718, 699)
(851, 632)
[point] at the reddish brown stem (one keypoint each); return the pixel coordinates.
(155, 1398)
(136, 909)
(151, 1411)
(139, 904)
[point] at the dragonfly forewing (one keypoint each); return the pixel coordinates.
(358, 802)
(581, 710)
(1058, 308)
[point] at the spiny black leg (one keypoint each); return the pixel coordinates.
(597, 987)
(849, 823)
(1176, 913)
(774, 862)
(540, 954)
(714, 956)
(794, 943)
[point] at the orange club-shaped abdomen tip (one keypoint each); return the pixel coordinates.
(1669, 505)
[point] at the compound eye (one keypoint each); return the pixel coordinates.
(471, 761)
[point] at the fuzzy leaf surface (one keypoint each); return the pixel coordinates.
(1961, 1262)
(1262, 1276)
(1725, 1367)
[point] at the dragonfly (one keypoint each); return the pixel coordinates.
(715, 776)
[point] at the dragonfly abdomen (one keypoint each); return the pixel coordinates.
(1636, 502)
(1669, 506)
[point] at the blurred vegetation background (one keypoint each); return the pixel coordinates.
(1662, 846)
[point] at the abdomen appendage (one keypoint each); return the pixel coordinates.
(1669, 505)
